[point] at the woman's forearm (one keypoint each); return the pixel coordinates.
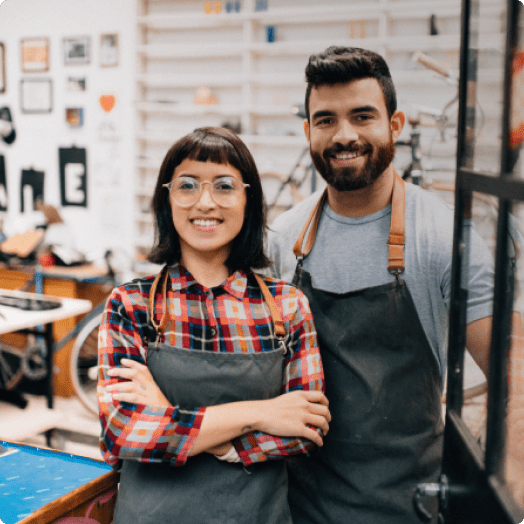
(288, 415)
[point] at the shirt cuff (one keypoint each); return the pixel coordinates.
(248, 449)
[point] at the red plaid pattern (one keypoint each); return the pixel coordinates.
(232, 317)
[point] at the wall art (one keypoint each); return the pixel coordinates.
(77, 50)
(73, 176)
(31, 189)
(2, 68)
(109, 50)
(36, 96)
(35, 55)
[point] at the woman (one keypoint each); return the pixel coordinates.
(208, 366)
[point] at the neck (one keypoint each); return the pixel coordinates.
(365, 201)
(210, 271)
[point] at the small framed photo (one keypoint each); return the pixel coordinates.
(2, 68)
(77, 50)
(35, 55)
(75, 83)
(36, 96)
(109, 50)
(75, 116)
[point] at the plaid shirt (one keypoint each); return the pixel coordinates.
(201, 319)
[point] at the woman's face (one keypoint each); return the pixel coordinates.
(205, 228)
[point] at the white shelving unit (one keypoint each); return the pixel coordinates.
(256, 82)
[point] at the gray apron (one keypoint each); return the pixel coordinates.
(206, 490)
(384, 390)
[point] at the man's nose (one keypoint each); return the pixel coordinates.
(345, 133)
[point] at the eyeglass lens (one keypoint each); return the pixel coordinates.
(225, 191)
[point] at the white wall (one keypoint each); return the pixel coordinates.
(107, 137)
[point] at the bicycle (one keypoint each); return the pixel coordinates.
(29, 361)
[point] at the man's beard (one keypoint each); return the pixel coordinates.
(352, 178)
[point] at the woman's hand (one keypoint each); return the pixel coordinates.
(142, 389)
(292, 414)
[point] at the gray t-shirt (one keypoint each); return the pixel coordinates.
(352, 253)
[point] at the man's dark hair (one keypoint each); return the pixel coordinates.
(221, 146)
(343, 64)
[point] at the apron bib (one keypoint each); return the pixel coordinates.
(207, 490)
(384, 390)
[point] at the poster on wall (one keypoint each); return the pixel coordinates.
(2, 68)
(76, 50)
(31, 189)
(109, 50)
(36, 96)
(3, 185)
(35, 55)
(73, 176)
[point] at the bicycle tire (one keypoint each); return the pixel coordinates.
(11, 372)
(83, 360)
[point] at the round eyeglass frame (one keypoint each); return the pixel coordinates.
(169, 185)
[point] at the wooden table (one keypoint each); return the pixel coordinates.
(43, 486)
(88, 282)
(13, 319)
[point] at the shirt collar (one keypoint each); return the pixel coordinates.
(235, 284)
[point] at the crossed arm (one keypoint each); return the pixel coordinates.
(138, 422)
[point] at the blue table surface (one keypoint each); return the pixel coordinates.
(32, 477)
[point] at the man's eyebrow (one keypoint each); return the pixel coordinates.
(364, 109)
(320, 114)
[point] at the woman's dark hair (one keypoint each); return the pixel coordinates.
(339, 64)
(220, 146)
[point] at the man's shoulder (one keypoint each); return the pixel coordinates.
(294, 219)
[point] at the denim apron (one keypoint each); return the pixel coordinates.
(206, 490)
(384, 389)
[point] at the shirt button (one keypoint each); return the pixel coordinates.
(213, 331)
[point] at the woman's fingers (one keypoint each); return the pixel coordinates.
(312, 435)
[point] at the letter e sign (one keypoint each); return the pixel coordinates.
(73, 177)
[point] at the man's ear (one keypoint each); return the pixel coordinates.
(306, 129)
(397, 124)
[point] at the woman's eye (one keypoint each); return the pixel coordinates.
(186, 184)
(224, 184)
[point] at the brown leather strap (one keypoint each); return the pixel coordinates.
(159, 328)
(396, 232)
(280, 331)
(314, 216)
(162, 278)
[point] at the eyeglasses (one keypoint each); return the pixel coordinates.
(225, 191)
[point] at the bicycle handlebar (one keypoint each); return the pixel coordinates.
(432, 64)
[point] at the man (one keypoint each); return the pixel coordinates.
(376, 267)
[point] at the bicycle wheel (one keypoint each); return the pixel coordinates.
(84, 364)
(11, 372)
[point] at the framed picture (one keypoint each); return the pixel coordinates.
(2, 68)
(76, 50)
(76, 83)
(109, 50)
(35, 55)
(36, 96)
(75, 116)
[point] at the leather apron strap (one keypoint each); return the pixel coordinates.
(396, 232)
(162, 279)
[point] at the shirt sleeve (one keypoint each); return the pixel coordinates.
(136, 431)
(302, 371)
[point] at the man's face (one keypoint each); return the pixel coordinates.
(351, 137)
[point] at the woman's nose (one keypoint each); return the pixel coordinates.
(205, 200)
